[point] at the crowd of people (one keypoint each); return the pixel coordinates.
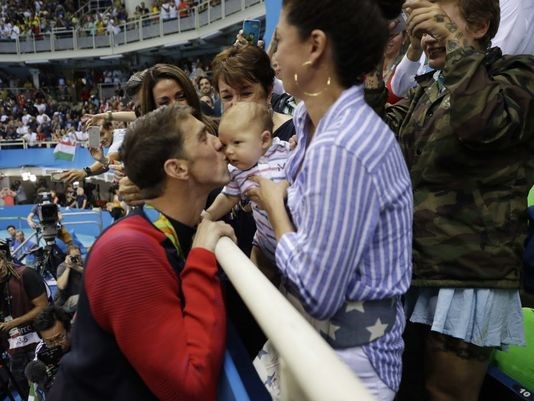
(388, 206)
(38, 115)
(21, 20)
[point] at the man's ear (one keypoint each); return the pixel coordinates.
(479, 29)
(177, 168)
(266, 140)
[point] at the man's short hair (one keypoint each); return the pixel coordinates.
(149, 142)
(47, 318)
(11, 226)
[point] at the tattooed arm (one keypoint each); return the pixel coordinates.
(490, 100)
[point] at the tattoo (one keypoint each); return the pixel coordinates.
(439, 18)
(451, 26)
(452, 45)
(461, 349)
(468, 48)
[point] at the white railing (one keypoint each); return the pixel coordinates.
(24, 144)
(132, 31)
(310, 369)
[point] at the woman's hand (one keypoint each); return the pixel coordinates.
(268, 194)
(98, 155)
(118, 168)
(129, 192)
(240, 41)
(92, 119)
(209, 232)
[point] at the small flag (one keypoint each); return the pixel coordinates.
(64, 150)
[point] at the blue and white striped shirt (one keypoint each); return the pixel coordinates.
(350, 198)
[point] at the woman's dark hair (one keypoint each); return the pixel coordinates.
(47, 318)
(158, 72)
(357, 29)
(167, 71)
(133, 86)
(236, 65)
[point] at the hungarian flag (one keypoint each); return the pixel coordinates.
(64, 150)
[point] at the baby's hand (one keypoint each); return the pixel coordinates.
(205, 216)
(292, 142)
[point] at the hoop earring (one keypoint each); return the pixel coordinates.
(311, 94)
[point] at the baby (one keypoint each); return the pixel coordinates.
(245, 132)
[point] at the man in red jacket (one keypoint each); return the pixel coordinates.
(151, 320)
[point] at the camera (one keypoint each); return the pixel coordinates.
(75, 259)
(49, 217)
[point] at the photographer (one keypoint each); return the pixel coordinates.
(43, 199)
(24, 298)
(69, 278)
(53, 326)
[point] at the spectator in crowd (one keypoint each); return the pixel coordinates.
(466, 134)
(144, 9)
(69, 279)
(53, 327)
(278, 87)
(8, 196)
(109, 137)
(395, 50)
(20, 198)
(26, 298)
(12, 232)
(344, 238)
(281, 101)
(165, 84)
(141, 274)
(70, 195)
(514, 36)
(19, 252)
(206, 89)
(80, 202)
(54, 197)
(117, 208)
(244, 73)
(245, 132)
(207, 106)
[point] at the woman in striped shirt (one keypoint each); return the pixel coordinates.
(344, 241)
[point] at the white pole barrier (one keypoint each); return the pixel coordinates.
(318, 371)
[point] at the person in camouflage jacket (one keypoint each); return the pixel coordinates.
(467, 134)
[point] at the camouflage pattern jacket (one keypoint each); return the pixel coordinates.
(469, 148)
